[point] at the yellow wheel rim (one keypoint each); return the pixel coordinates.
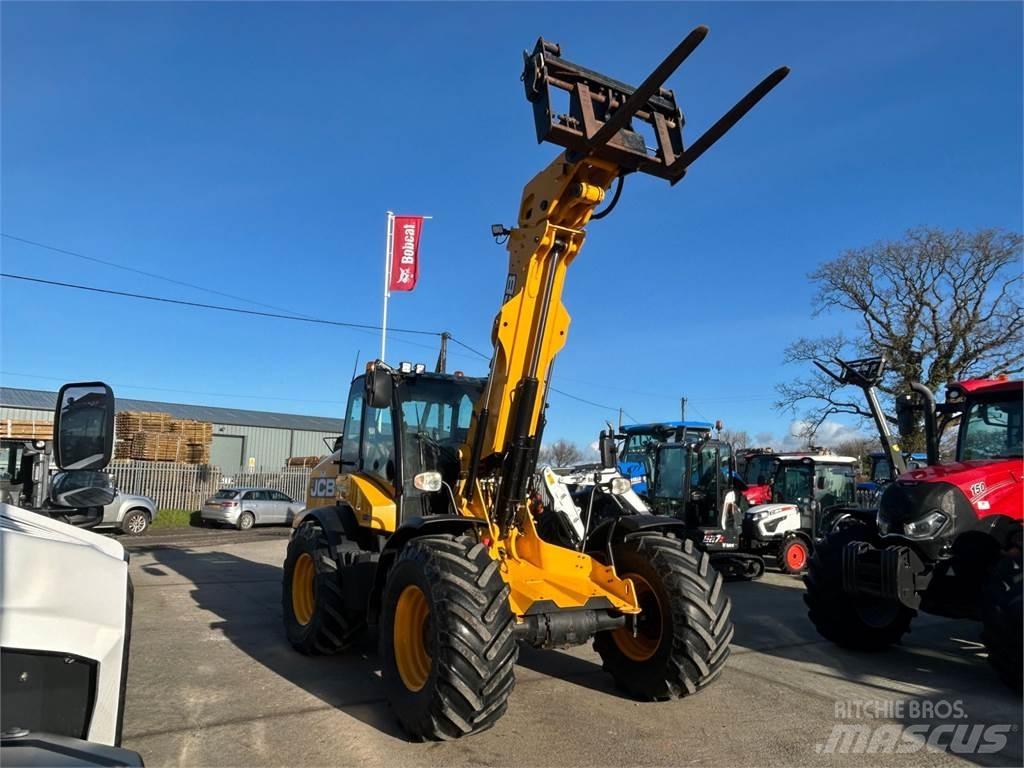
(302, 589)
(645, 643)
(411, 657)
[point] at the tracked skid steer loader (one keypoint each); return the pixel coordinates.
(421, 522)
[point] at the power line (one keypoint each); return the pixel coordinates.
(154, 275)
(584, 400)
(201, 305)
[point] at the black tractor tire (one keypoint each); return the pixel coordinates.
(246, 521)
(330, 626)
(460, 641)
(794, 555)
(683, 633)
(1002, 621)
(852, 621)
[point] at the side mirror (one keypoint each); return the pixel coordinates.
(906, 415)
(821, 483)
(82, 489)
(378, 387)
(83, 426)
(606, 446)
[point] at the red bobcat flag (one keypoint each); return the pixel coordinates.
(405, 252)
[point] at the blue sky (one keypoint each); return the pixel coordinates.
(254, 149)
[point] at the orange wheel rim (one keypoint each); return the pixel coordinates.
(302, 589)
(644, 643)
(796, 556)
(412, 614)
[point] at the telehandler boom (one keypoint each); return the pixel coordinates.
(423, 519)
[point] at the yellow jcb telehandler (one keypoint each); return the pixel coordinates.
(422, 521)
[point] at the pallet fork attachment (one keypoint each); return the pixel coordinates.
(602, 110)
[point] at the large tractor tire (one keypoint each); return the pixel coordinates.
(859, 622)
(680, 640)
(1003, 620)
(315, 616)
(447, 650)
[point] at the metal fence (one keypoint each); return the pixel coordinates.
(187, 486)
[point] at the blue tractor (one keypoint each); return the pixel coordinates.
(637, 451)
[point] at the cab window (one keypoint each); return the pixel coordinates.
(377, 458)
(353, 427)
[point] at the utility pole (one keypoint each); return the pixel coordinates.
(442, 357)
(620, 421)
(682, 405)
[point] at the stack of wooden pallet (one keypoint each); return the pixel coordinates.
(132, 422)
(304, 461)
(26, 429)
(154, 436)
(155, 446)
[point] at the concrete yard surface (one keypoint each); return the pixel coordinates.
(213, 682)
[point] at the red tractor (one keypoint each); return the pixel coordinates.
(946, 538)
(755, 467)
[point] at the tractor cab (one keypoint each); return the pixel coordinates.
(694, 482)
(401, 424)
(636, 458)
(814, 483)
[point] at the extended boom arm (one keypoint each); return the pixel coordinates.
(531, 326)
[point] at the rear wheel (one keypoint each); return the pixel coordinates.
(447, 650)
(679, 642)
(135, 522)
(316, 618)
(794, 555)
(246, 520)
(860, 622)
(1003, 620)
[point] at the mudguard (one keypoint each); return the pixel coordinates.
(412, 528)
(340, 521)
(626, 527)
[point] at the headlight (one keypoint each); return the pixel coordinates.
(925, 527)
(619, 485)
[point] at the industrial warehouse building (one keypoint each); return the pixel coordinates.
(241, 438)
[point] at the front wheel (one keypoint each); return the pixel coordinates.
(861, 622)
(447, 649)
(135, 522)
(793, 555)
(1003, 618)
(316, 617)
(679, 642)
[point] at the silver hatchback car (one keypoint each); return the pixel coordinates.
(246, 507)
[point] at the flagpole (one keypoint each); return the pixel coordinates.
(387, 282)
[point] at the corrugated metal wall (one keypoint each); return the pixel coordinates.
(269, 446)
(25, 413)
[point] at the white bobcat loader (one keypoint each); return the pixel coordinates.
(65, 597)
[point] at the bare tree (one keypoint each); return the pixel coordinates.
(940, 305)
(561, 453)
(738, 438)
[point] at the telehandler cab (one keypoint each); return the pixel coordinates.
(426, 529)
